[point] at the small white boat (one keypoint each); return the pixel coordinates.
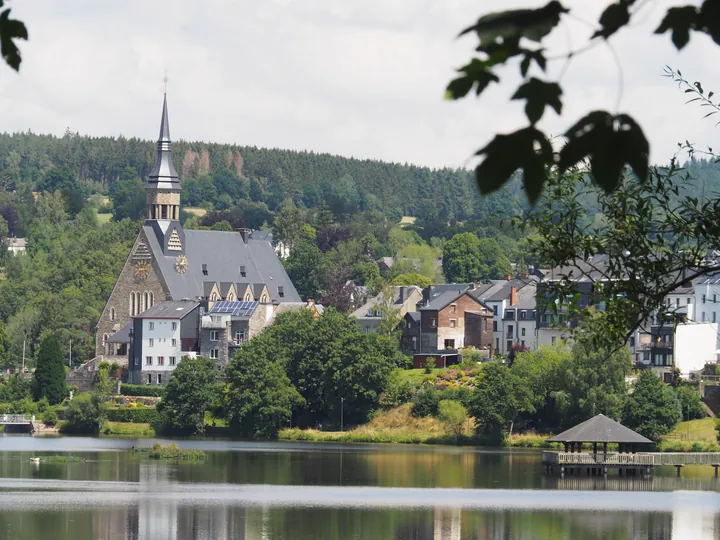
(35, 459)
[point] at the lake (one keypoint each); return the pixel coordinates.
(293, 491)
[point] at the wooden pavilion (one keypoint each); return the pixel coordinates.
(599, 430)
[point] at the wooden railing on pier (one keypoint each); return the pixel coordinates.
(645, 459)
(20, 419)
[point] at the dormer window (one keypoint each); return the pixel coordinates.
(242, 271)
(263, 299)
(204, 270)
(248, 298)
(281, 292)
(214, 297)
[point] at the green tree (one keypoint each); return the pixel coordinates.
(500, 396)
(128, 196)
(85, 414)
(691, 404)
(51, 206)
(288, 225)
(652, 409)
(454, 415)
(510, 37)
(4, 346)
(260, 397)
(412, 279)
(308, 268)
(49, 376)
(15, 388)
(189, 393)
(461, 259)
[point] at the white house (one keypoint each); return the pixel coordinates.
(16, 245)
(696, 344)
(707, 299)
(161, 336)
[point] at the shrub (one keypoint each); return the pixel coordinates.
(142, 390)
(425, 402)
(50, 418)
(454, 415)
(85, 414)
(43, 405)
(429, 365)
(134, 415)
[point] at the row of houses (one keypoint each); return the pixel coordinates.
(512, 314)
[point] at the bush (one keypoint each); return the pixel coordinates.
(429, 365)
(43, 405)
(425, 402)
(85, 414)
(134, 415)
(142, 390)
(50, 418)
(454, 415)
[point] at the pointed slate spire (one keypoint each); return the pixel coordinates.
(163, 175)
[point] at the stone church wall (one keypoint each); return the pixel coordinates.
(120, 300)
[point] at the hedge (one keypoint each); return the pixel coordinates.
(141, 390)
(135, 416)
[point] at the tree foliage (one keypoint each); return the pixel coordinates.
(608, 141)
(85, 414)
(49, 376)
(652, 409)
(190, 392)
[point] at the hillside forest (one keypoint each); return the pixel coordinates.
(79, 202)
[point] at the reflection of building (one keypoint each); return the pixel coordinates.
(446, 524)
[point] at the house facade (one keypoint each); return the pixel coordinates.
(455, 320)
(160, 338)
(369, 316)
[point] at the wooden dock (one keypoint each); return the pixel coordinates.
(628, 464)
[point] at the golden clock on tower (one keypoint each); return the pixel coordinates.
(142, 270)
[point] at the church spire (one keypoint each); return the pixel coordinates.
(163, 184)
(163, 175)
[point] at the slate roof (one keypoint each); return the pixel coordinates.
(600, 429)
(169, 309)
(446, 298)
(414, 315)
(121, 336)
(223, 253)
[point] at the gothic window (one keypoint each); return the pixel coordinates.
(213, 297)
(132, 304)
(174, 243)
(263, 299)
(112, 314)
(248, 298)
(106, 346)
(231, 297)
(146, 301)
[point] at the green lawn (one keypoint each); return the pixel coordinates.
(103, 218)
(694, 430)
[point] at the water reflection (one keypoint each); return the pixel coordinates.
(178, 522)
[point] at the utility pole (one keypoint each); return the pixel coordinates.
(342, 414)
(70, 356)
(23, 363)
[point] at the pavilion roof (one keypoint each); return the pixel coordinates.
(600, 429)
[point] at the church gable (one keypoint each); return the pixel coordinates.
(141, 251)
(174, 244)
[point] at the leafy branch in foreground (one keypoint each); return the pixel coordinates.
(695, 89)
(650, 239)
(10, 30)
(608, 141)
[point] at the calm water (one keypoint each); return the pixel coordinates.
(283, 491)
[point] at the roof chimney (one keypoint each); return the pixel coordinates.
(310, 303)
(245, 233)
(402, 295)
(513, 295)
(508, 277)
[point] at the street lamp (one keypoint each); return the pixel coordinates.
(342, 414)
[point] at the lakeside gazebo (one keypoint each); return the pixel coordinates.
(600, 430)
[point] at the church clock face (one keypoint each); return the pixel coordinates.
(142, 270)
(181, 264)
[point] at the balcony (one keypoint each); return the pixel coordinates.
(665, 345)
(213, 321)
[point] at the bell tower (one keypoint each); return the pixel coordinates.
(163, 193)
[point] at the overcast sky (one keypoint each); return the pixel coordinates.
(361, 78)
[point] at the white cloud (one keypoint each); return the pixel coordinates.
(362, 78)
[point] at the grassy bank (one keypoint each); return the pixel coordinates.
(399, 426)
(692, 436)
(126, 429)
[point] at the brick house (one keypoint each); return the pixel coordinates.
(454, 320)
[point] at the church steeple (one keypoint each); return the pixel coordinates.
(163, 184)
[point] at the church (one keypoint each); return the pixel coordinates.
(169, 264)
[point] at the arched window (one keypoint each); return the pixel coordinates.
(213, 297)
(152, 299)
(106, 347)
(263, 299)
(231, 297)
(112, 314)
(132, 304)
(146, 301)
(248, 298)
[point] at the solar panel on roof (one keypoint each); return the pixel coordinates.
(236, 309)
